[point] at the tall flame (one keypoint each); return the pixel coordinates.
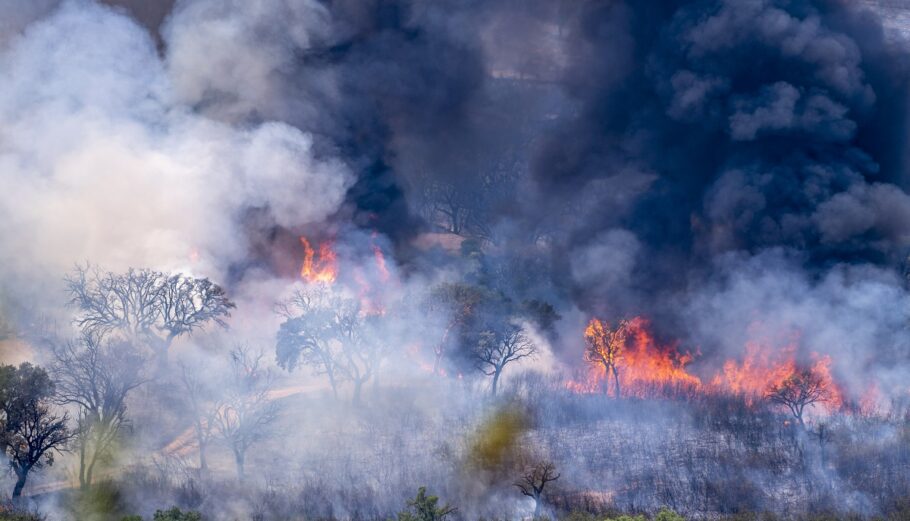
(641, 363)
(323, 268)
(644, 367)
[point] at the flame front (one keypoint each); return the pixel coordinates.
(639, 366)
(322, 268)
(634, 358)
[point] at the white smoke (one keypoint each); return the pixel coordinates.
(100, 161)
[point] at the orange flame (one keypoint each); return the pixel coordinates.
(380, 263)
(764, 366)
(642, 364)
(645, 367)
(322, 269)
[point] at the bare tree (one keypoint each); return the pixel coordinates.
(243, 416)
(362, 349)
(95, 375)
(498, 348)
(146, 307)
(533, 481)
(604, 346)
(31, 432)
(199, 400)
(333, 335)
(801, 389)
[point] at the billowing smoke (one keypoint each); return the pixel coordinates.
(735, 171)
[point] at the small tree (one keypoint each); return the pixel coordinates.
(96, 375)
(31, 431)
(604, 346)
(198, 398)
(424, 508)
(497, 348)
(533, 481)
(243, 417)
(801, 389)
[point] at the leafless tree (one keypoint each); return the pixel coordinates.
(604, 346)
(243, 416)
(146, 307)
(496, 349)
(533, 481)
(199, 399)
(31, 431)
(801, 389)
(95, 375)
(362, 349)
(333, 335)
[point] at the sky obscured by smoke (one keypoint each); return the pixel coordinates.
(711, 164)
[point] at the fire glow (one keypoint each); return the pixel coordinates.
(638, 366)
(322, 268)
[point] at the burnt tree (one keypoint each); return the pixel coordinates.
(604, 346)
(498, 348)
(800, 390)
(533, 481)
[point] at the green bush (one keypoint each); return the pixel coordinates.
(174, 514)
(666, 514)
(423, 508)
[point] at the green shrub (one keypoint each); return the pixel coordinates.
(423, 508)
(175, 514)
(666, 514)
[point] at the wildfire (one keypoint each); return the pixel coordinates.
(380, 263)
(630, 355)
(638, 365)
(765, 366)
(321, 268)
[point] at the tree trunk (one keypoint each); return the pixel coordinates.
(616, 380)
(358, 386)
(203, 463)
(331, 374)
(238, 459)
(536, 507)
(82, 448)
(496, 380)
(90, 470)
(21, 476)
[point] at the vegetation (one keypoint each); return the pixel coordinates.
(425, 508)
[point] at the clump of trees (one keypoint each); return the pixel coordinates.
(334, 335)
(485, 328)
(147, 308)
